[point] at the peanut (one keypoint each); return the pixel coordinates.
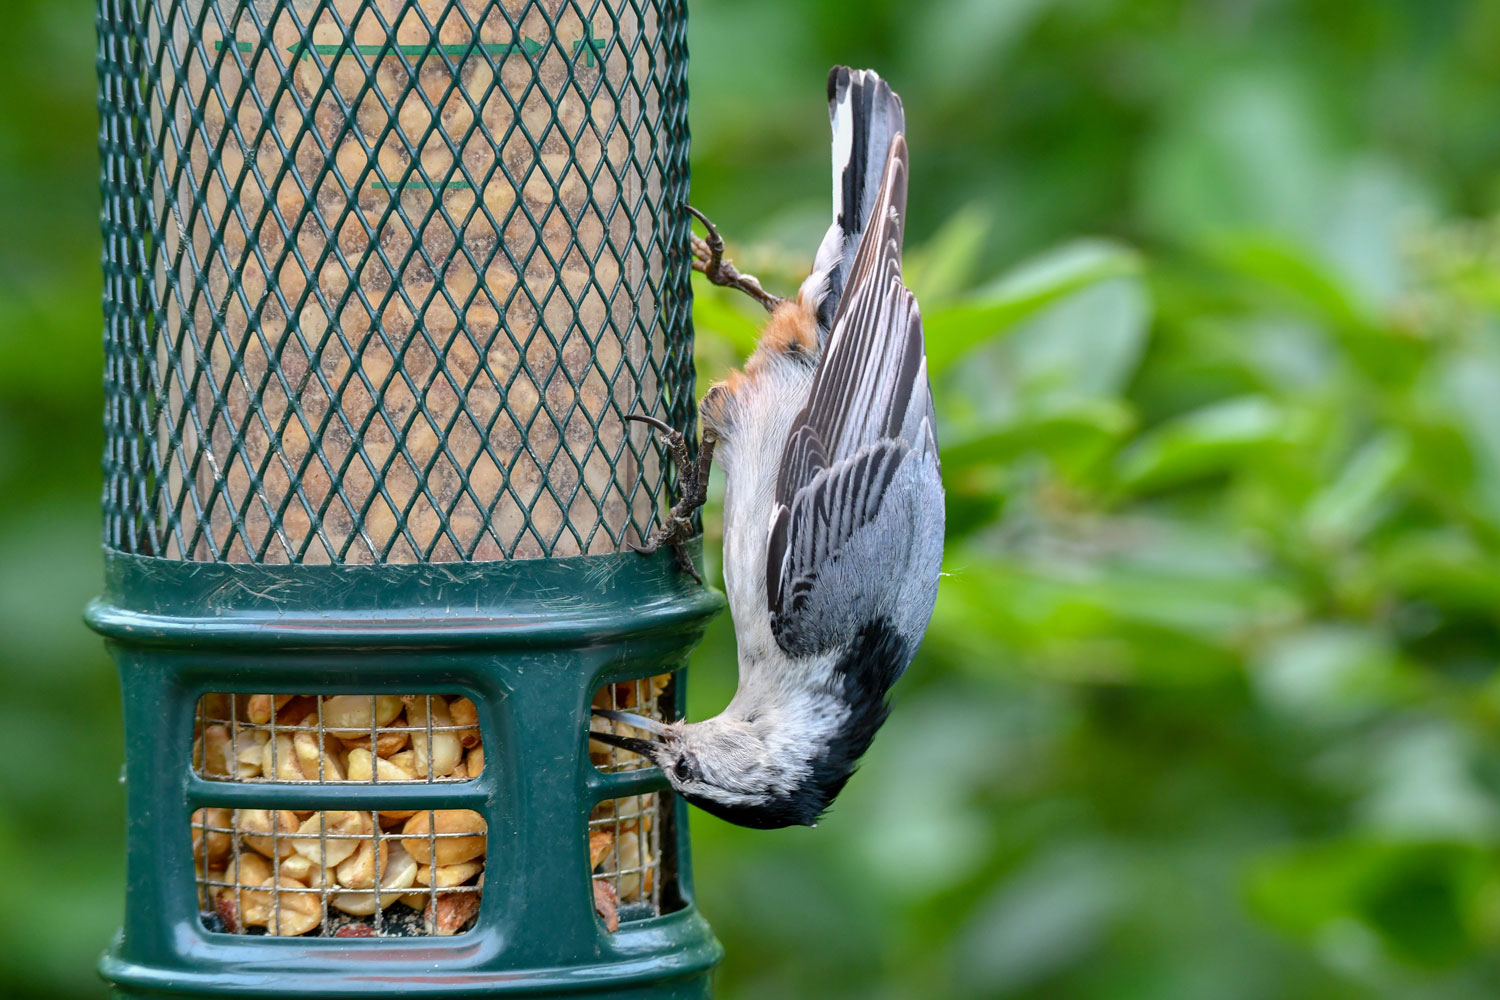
(328, 838)
(358, 871)
(306, 871)
(455, 835)
(450, 911)
(258, 709)
(464, 713)
(442, 756)
(284, 913)
(255, 829)
(316, 766)
(385, 770)
(252, 869)
(397, 877)
(600, 844)
(350, 716)
(278, 760)
(211, 752)
(387, 742)
(628, 850)
(607, 904)
(250, 747)
(449, 875)
(215, 708)
(208, 829)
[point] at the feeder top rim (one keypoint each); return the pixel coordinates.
(570, 601)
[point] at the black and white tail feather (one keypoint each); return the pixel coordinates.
(866, 116)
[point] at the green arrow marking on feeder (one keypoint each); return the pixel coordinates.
(590, 45)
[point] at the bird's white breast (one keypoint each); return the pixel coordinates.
(752, 436)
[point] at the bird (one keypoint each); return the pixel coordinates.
(833, 504)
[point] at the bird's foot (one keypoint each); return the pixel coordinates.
(692, 481)
(709, 260)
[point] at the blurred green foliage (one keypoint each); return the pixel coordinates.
(1209, 707)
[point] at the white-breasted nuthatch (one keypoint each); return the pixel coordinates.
(833, 505)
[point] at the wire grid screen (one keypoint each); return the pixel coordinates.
(625, 854)
(647, 696)
(625, 835)
(321, 739)
(383, 277)
(338, 873)
(297, 872)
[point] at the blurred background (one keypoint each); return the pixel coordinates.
(1209, 707)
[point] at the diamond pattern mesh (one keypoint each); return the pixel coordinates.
(383, 277)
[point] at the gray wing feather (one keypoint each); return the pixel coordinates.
(860, 454)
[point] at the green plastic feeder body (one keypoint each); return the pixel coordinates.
(383, 279)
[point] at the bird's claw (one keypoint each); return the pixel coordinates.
(675, 532)
(671, 438)
(709, 260)
(692, 480)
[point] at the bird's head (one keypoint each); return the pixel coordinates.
(728, 767)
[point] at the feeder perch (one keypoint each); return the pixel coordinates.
(383, 279)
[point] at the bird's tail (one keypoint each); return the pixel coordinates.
(866, 116)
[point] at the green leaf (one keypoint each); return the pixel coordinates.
(1326, 673)
(1470, 393)
(1348, 507)
(1292, 270)
(1412, 899)
(715, 314)
(1088, 343)
(954, 330)
(1446, 567)
(1207, 441)
(938, 270)
(1079, 424)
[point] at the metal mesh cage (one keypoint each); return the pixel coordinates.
(289, 871)
(648, 696)
(323, 739)
(326, 865)
(626, 857)
(383, 277)
(292, 873)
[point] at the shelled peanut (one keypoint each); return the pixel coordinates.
(295, 738)
(279, 869)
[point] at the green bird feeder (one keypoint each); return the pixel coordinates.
(383, 279)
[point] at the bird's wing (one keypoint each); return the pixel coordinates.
(866, 116)
(868, 414)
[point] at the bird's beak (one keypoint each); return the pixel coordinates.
(646, 748)
(633, 721)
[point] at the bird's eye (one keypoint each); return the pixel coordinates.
(683, 769)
